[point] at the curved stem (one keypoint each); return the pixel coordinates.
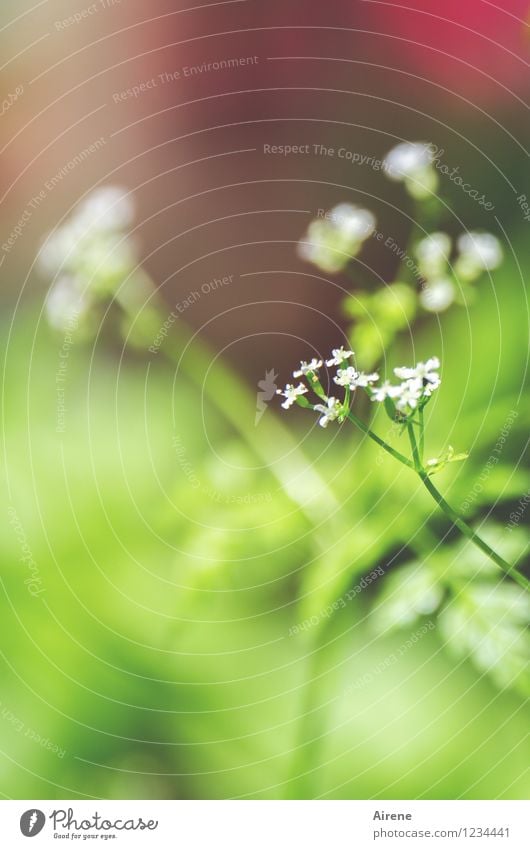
(464, 528)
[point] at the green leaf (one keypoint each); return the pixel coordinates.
(489, 624)
(409, 593)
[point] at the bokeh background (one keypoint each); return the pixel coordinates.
(176, 543)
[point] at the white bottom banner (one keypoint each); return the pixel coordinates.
(260, 825)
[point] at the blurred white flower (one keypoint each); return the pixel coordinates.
(411, 163)
(92, 245)
(330, 411)
(353, 221)
(437, 295)
(291, 393)
(305, 367)
(107, 208)
(433, 253)
(332, 241)
(92, 240)
(478, 252)
(66, 303)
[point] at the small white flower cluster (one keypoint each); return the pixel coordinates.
(411, 163)
(332, 241)
(477, 252)
(89, 255)
(416, 387)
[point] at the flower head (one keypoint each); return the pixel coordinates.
(330, 411)
(351, 377)
(291, 393)
(426, 372)
(338, 356)
(306, 368)
(91, 246)
(410, 393)
(418, 384)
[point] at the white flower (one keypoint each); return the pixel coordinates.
(291, 393)
(411, 163)
(331, 411)
(420, 381)
(433, 254)
(478, 252)
(437, 295)
(106, 208)
(386, 390)
(305, 367)
(338, 356)
(346, 376)
(423, 371)
(409, 395)
(331, 242)
(353, 378)
(364, 380)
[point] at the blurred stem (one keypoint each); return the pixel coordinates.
(305, 760)
(230, 395)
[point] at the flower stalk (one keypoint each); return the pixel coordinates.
(405, 404)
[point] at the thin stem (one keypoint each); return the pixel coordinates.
(462, 526)
(457, 520)
(414, 446)
(422, 434)
(365, 429)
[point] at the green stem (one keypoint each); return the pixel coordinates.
(388, 448)
(464, 528)
(414, 446)
(309, 732)
(457, 520)
(422, 434)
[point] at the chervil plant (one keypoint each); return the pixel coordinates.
(405, 404)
